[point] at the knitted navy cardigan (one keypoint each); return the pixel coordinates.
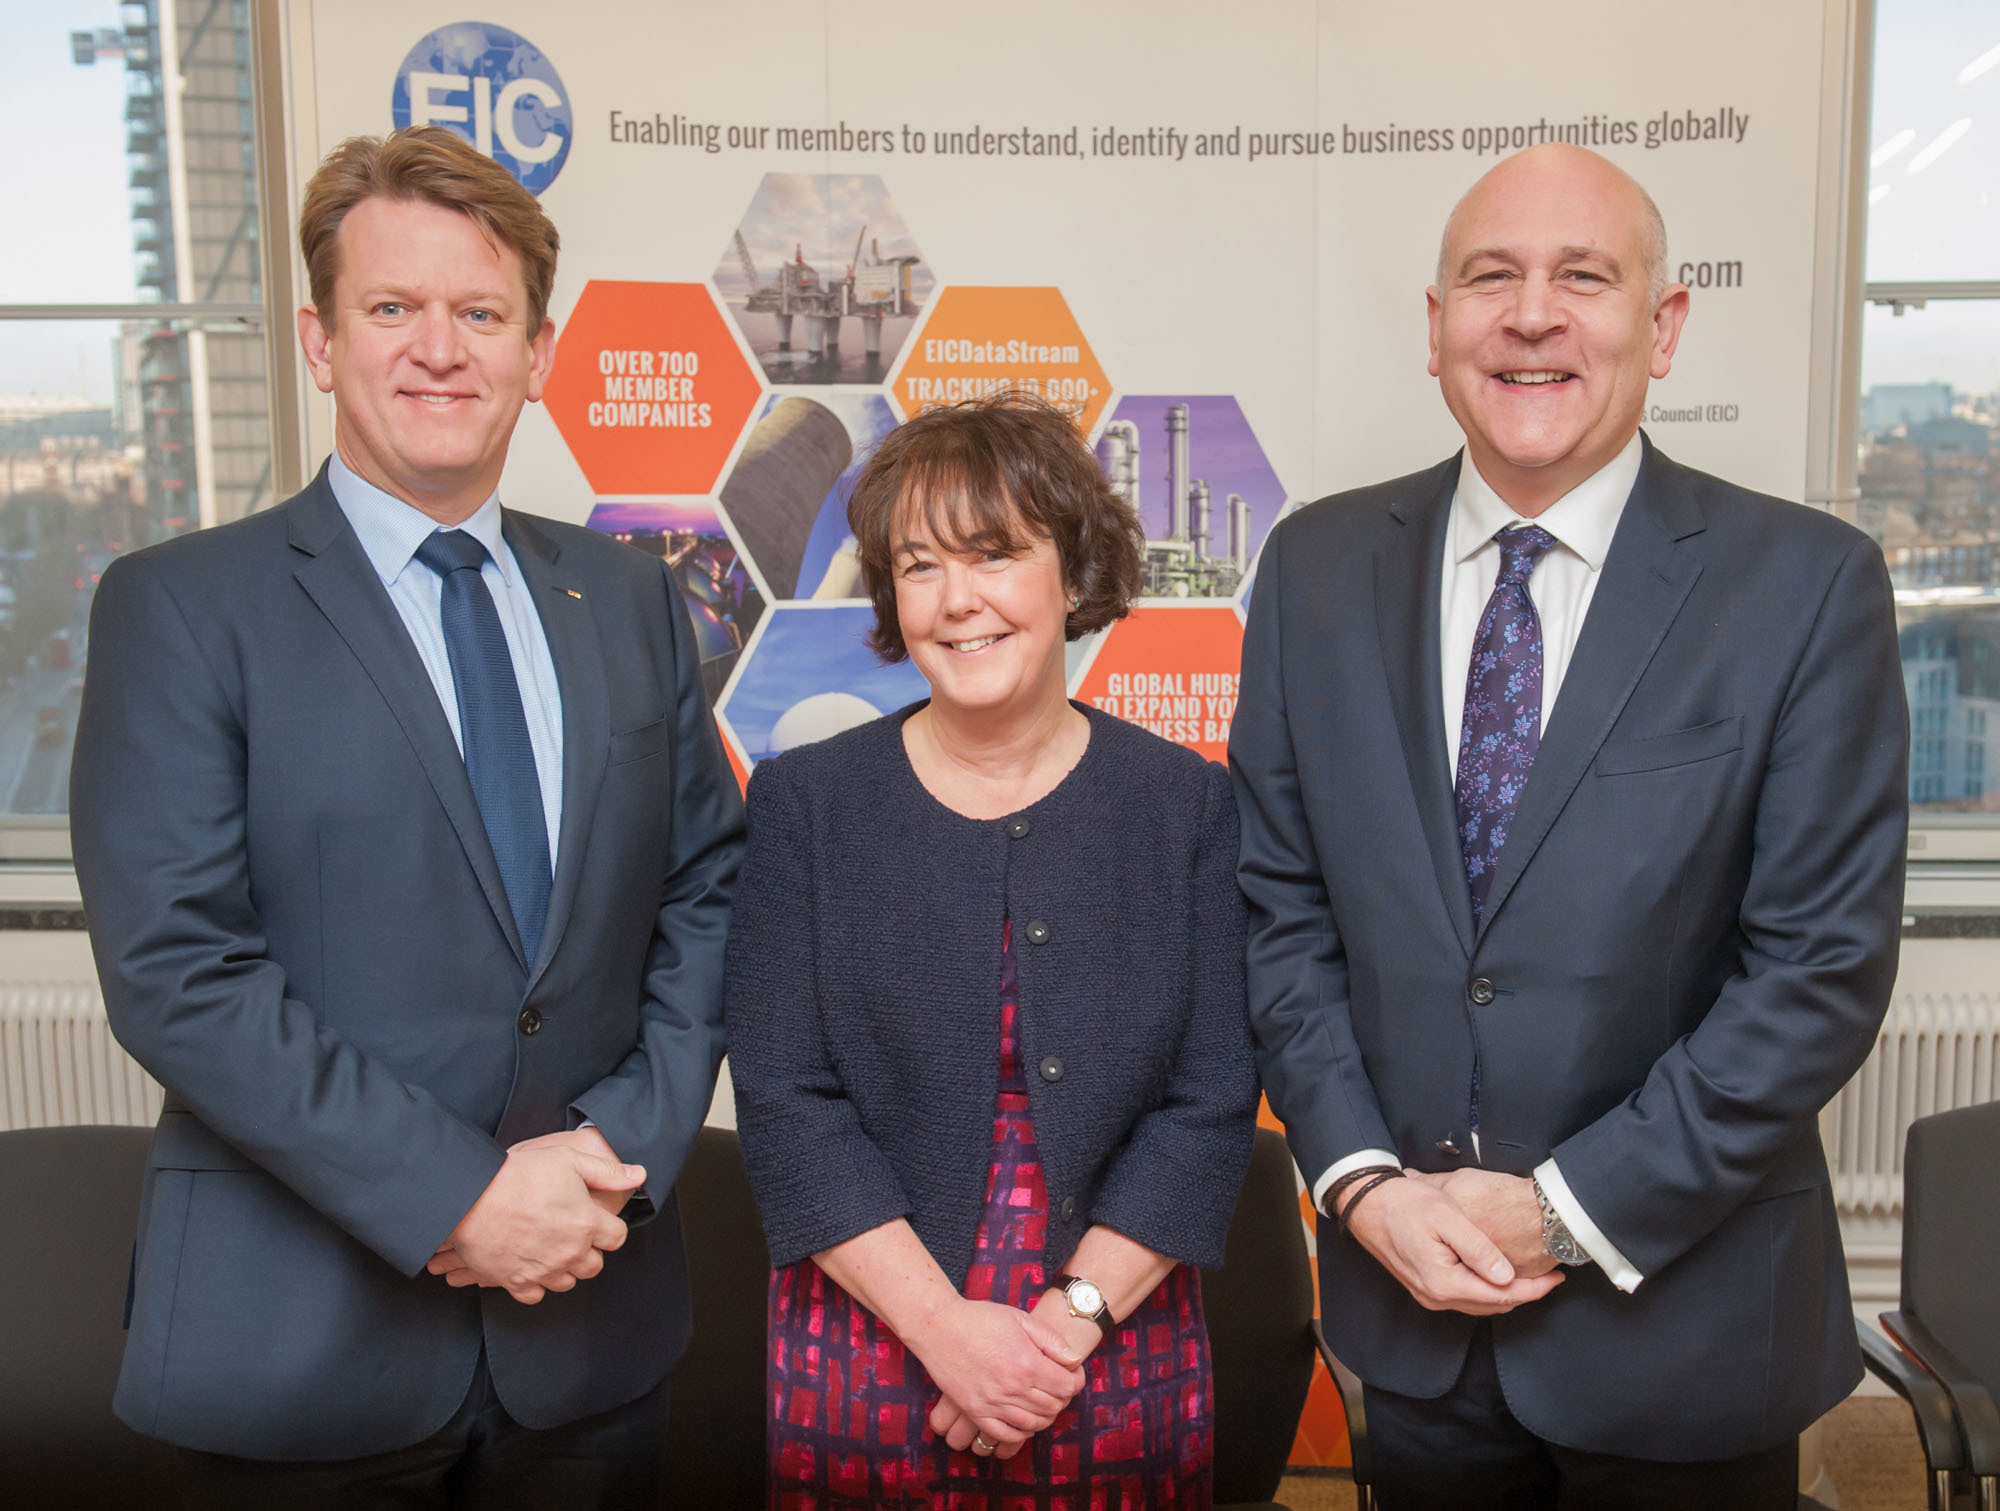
(863, 992)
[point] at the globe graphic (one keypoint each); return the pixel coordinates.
(476, 49)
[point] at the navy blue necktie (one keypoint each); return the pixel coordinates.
(1503, 711)
(499, 758)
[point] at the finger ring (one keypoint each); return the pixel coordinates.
(980, 1445)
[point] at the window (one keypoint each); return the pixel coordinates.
(1929, 431)
(134, 401)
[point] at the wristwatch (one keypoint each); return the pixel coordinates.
(1085, 1301)
(1556, 1236)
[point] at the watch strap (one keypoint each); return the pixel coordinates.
(1556, 1236)
(1067, 1284)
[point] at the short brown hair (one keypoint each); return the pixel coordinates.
(441, 168)
(995, 474)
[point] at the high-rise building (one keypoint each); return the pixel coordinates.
(190, 144)
(1888, 405)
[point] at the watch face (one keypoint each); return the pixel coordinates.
(1085, 1299)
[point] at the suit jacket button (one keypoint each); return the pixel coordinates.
(1052, 1068)
(1019, 828)
(531, 1021)
(1038, 932)
(1447, 1148)
(1481, 991)
(1068, 1208)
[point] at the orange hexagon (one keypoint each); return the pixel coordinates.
(650, 389)
(979, 341)
(1171, 670)
(737, 767)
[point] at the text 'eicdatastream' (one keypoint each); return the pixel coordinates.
(1725, 124)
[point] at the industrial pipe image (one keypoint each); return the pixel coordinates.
(793, 457)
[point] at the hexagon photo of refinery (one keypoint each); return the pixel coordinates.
(1192, 468)
(823, 278)
(723, 600)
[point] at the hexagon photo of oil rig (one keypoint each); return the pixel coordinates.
(1191, 469)
(823, 278)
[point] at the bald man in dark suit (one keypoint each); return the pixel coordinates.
(1573, 797)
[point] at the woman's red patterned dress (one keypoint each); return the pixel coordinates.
(848, 1403)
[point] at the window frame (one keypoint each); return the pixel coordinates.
(1955, 854)
(35, 850)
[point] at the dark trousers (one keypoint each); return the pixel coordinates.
(1465, 1451)
(481, 1460)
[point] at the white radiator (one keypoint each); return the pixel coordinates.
(1935, 1052)
(1939, 1048)
(59, 1063)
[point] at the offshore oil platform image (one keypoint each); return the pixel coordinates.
(1186, 562)
(809, 306)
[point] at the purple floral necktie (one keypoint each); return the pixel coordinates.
(1503, 711)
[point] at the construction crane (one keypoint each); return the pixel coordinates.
(749, 266)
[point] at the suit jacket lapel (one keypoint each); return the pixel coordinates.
(1408, 574)
(342, 582)
(578, 654)
(1646, 579)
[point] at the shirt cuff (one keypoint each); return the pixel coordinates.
(1586, 1233)
(1354, 1161)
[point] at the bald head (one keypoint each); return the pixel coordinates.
(1551, 315)
(1557, 172)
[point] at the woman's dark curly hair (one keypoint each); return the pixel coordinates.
(996, 474)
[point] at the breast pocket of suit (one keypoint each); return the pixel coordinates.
(1674, 751)
(1655, 804)
(641, 743)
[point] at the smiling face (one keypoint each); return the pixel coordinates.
(1543, 331)
(428, 355)
(985, 625)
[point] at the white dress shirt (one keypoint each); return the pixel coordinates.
(390, 532)
(1582, 522)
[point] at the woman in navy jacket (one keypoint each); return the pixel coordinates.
(987, 1031)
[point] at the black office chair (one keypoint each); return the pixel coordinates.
(1942, 1350)
(1348, 1383)
(69, 1206)
(715, 1422)
(1260, 1330)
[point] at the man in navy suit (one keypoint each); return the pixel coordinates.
(1573, 803)
(407, 844)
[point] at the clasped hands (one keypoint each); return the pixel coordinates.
(1470, 1241)
(1005, 1374)
(545, 1221)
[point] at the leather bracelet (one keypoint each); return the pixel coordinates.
(1331, 1204)
(1347, 1213)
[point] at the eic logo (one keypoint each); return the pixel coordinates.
(496, 89)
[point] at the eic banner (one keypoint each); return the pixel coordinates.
(1204, 231)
